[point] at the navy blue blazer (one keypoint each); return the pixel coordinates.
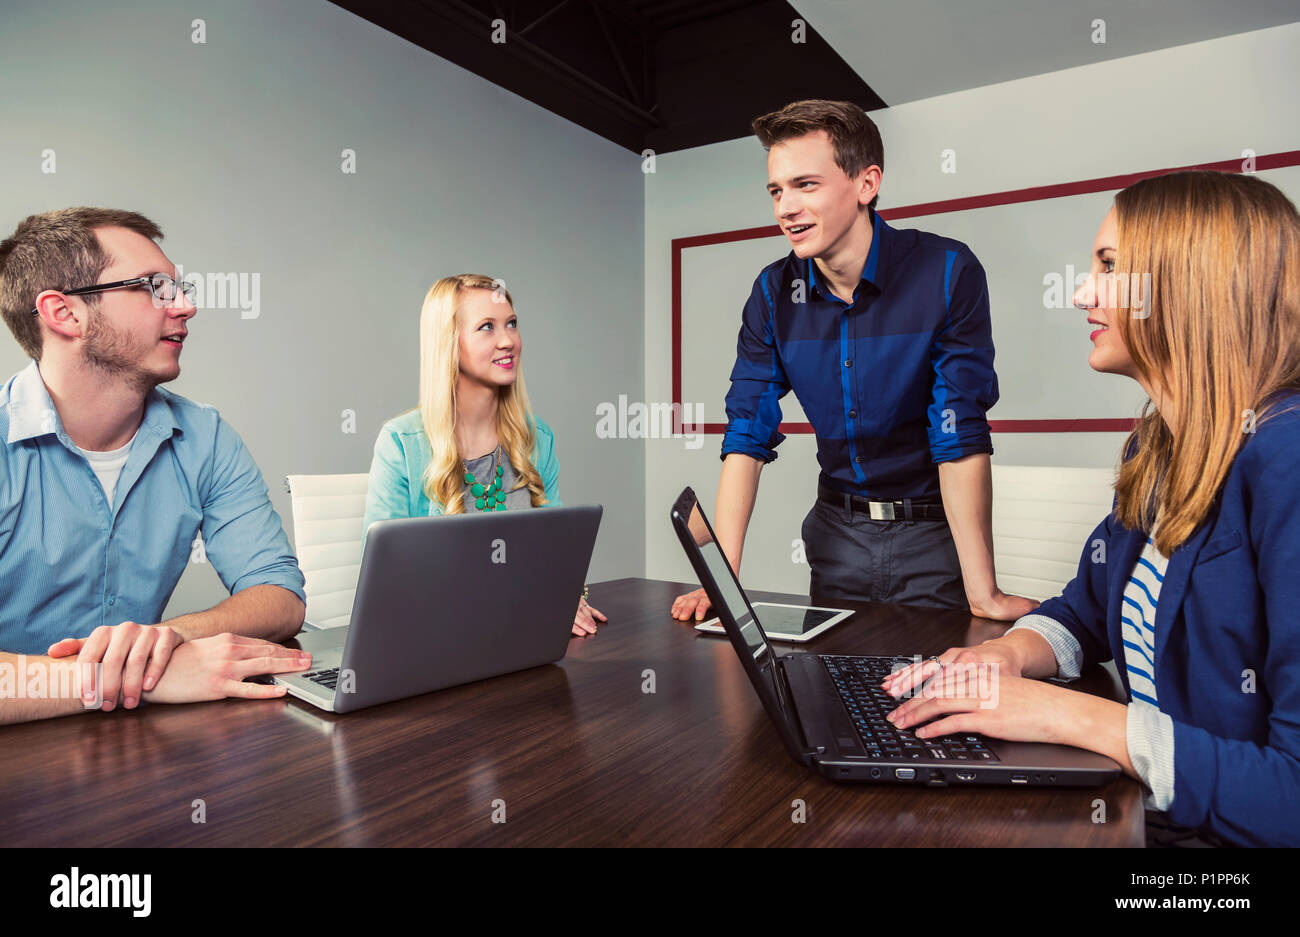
(1227, 663)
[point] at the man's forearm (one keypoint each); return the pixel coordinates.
(37, 687)
(268, 612)
(967, 488)
(737, 492)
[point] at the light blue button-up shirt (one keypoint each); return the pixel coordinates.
(70, 561)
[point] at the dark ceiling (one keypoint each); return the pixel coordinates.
(657, 74)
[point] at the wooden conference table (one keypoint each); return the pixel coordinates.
(570, 754)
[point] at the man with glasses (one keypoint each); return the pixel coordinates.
(106, 479)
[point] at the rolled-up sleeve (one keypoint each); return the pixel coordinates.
(243, 536)
(758, 382)
(1065, 647)
(965, 385)
(1150, 737)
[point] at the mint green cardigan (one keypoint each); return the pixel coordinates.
(401, 454)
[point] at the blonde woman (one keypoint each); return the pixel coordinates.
(1190, 584)
(473, 443)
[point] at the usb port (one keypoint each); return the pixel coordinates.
(1019, 779)
(965, 775)
(905, 774)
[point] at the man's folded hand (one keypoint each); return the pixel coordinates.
(133, 658)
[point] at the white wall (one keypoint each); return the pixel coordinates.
(1191, 104)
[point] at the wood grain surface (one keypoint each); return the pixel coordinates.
(573, 753)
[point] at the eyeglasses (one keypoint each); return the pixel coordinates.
(162, 287)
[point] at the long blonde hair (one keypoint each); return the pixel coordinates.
(1219, 335)
(440, 324)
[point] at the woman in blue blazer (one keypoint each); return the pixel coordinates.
(1192, 583)
(473, 443)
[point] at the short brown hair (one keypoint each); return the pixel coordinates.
(56, 250)
(853, 134)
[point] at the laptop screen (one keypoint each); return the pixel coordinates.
(738, 619)
(725, 582)
(731, 595)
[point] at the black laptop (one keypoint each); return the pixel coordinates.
(830, 710)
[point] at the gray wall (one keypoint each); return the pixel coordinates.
(233, 146)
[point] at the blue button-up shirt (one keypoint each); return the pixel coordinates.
(892, 383)
(70, 561)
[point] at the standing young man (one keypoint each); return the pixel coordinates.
(105, 479)
(884, 336)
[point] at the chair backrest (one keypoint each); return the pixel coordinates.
(1042, 517)
(327, 515)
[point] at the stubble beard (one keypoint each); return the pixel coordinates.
(112, 354)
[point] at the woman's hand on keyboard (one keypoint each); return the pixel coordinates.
(910, 679)
(1017, 709)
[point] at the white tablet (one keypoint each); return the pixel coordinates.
(787, 622)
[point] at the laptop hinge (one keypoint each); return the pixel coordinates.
(806, 750)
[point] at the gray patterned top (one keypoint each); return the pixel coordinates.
(484, 469)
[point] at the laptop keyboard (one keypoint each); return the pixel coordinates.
(326, 678)
(857, 680)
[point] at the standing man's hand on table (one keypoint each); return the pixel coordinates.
(1001, 606)
(133, 656)
(737, 491)
(692, 603)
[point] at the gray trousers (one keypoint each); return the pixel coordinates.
(857, 559)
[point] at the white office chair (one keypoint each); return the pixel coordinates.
(1042, 517)
(327, 515)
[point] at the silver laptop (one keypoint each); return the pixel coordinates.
(447, 600)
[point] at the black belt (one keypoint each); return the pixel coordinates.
(907, 509)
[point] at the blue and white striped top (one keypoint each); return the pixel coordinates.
(1138, 622)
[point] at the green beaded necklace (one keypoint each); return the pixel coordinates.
(486, 497)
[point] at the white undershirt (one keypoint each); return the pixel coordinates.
(108, 466)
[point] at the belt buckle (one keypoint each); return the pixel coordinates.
(881, 510)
